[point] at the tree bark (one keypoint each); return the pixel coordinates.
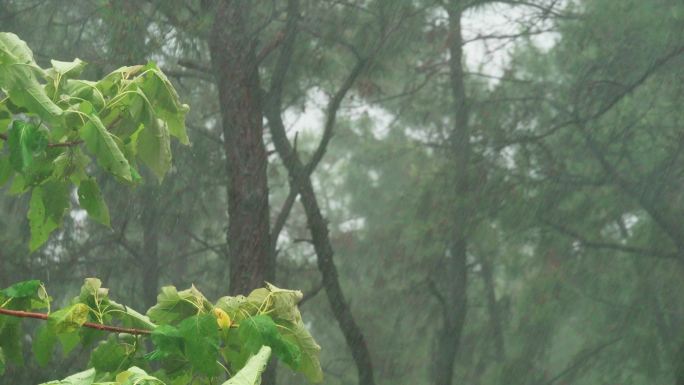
(454, 267)
(233, 58)
(235, 65)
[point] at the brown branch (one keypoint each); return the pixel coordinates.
(91, 325)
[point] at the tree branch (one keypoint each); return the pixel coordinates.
(300, 178)
(90, 325)
(597, 244)
(581, 360)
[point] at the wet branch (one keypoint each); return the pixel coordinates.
(90, 325)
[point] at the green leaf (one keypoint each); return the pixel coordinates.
(285, 303)
(200, 337)
(68, 341)
(107, 84)
(101, 143)
(90, 198)
(40, 226)
(168, 341)
(68, 68)
(260, 298)
(17, 77)
(2, 362)
(60, 72)
(18, 185)
(136, 376)
(24, 289)
(69, 319)
(5, 120)
(232, 305)
(250, 374)
(154, 147)
(14, 50)
(92, 292)
(110, 356)
(70, 165)
(260, 330)
(11, 338)
(85, 90)
(165, 101)
(83, 378)
(44, 344)
(310, 364)
(173, 305)
(6, 170)
(48, 204)
(130, 317)
(25, 141)
(26, 295)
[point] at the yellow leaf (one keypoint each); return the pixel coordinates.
(222, 318)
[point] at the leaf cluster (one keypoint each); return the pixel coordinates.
(53, 124)
(193, 339)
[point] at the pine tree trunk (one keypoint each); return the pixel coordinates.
(454, 269)
(232, 48)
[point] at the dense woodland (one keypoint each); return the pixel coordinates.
(466, 191)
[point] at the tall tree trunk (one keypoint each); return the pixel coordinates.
(232, 47)
(233, 57)
(454, 266)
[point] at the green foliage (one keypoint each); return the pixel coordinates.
(250, 374)
(260, 330)
(112, 355)
(90, 198)
(21, 290)
(47, 117)
(69, 319)
(11, 341)
(2, 362)
(43, 345)
(193, 342)
(173, 306)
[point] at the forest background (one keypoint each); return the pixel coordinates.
(467, 192)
